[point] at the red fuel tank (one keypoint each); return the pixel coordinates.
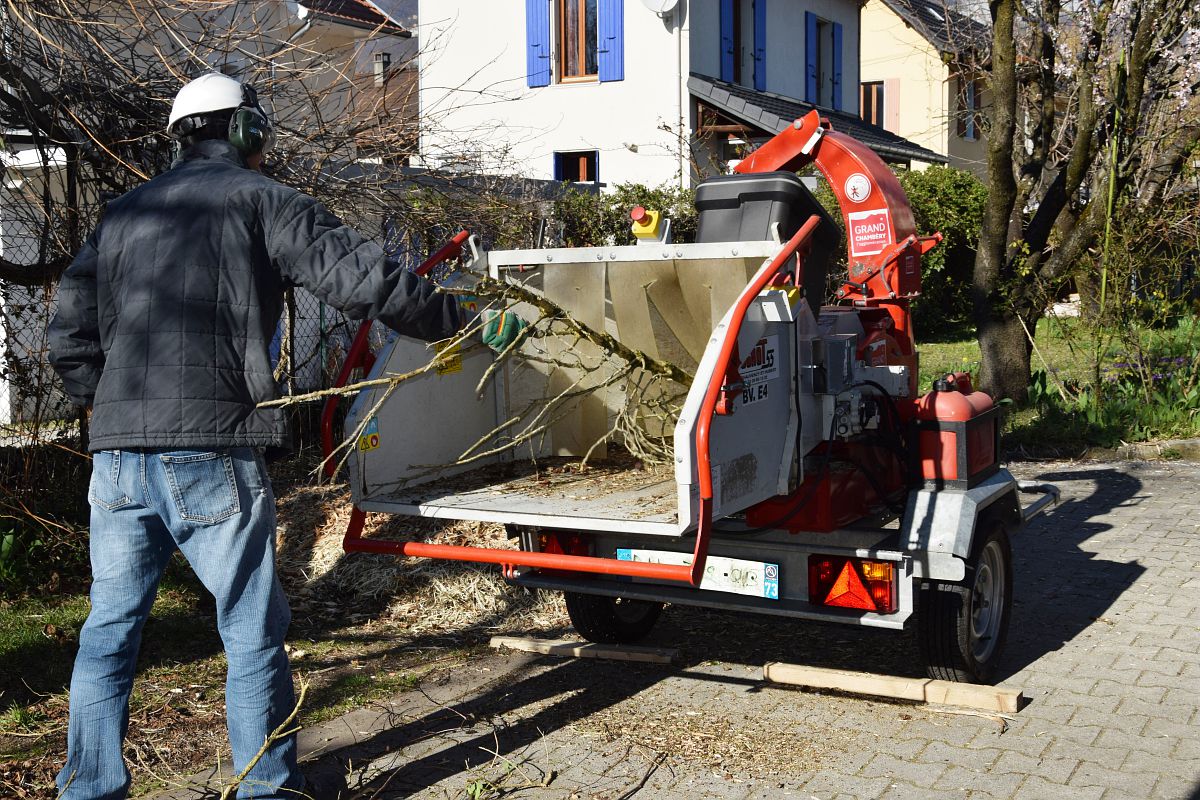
(958, 433)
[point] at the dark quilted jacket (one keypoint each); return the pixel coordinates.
(165, 316)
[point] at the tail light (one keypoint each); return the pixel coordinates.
(563, 543)
(852, 583)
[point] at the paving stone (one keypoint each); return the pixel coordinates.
(1187, 747)
(837, 784)
(1062, 698)
(1176, 787)
(1025, 741)
(1038, 788)
(904, 791)
(951, 729)
(1152, 745)
(1131, 724)
(888, 766)
(1077, 734)
(1153, 691)
(1134, 784)
(1020, 764)
(978, 760)
(1064, 748)
(996, 784)
(1159, 711)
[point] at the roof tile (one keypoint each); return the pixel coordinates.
(764, 108)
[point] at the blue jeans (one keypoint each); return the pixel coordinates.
(218, 509)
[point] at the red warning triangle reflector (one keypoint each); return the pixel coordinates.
(848, 591)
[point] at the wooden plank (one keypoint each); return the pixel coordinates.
(922, 690)
(576, 649)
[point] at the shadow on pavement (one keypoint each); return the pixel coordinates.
(1059, 588)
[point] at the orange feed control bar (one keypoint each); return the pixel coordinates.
(690, 574)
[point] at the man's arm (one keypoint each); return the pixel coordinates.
(345, 269)
(74, 333)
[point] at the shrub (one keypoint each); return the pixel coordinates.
(949, 201)
(585, 219)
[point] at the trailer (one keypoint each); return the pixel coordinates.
(809, 477)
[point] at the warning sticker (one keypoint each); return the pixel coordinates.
(451, 360)
(369, 440)
(857, 187)
(758, 369)
(870, 232)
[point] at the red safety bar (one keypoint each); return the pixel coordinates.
(360, 354)
(691, 574)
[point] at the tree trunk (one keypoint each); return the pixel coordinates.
(1006, 351)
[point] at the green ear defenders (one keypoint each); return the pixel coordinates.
(249, 128)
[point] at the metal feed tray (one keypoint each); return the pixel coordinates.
(551, 493)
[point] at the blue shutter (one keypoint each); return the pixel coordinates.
(610, 50)
(760, 45)
(811, 90)
(727, 43)
(537, 35)
(837, 66)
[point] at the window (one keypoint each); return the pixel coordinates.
(871, 103)
(576, 39)
(822, 62)
(580, 166)
(743, 27)
(969, 110)
(572, 41)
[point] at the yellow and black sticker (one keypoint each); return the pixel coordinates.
(450, 360)
(369, 440)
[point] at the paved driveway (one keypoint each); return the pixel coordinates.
(1105, 642)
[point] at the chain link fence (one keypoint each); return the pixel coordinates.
(309, 346)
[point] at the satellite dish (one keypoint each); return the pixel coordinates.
(660, 7)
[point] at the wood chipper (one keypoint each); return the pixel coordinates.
(808, 477)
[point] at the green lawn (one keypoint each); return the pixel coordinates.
(1146, 376)
(1061, 350)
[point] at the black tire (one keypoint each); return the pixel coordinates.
(962, 627)
(611, 620)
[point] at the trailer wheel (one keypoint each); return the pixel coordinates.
(962, 626)
(611, 620)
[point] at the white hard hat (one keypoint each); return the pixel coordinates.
(210, 92)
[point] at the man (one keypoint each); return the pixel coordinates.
(163, 329)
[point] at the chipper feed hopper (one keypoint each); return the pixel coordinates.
(810, 479)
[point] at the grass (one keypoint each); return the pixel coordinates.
(1059, 349)
(1066, 353)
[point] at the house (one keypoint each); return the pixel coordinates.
(647, 91)
(917, 78)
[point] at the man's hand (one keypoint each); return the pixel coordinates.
(500, 329)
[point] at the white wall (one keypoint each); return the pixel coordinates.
(475, 101)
